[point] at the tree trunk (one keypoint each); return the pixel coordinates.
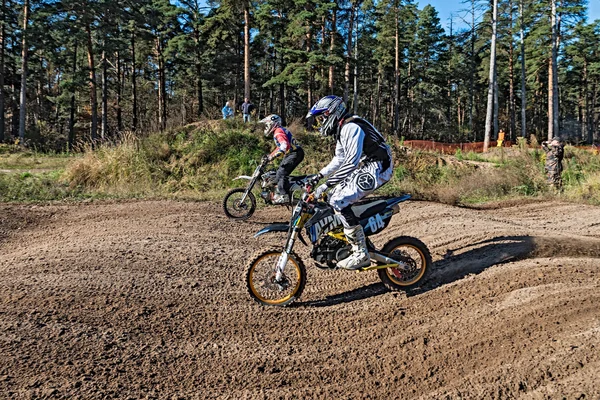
(332, 48)
(472, 75)
(449, 80)
(134, 122)
(238, 50)
(162, 106)
(119, 94)
(553, 79)
(491, 87)
(523, 74)
(2, 46)
(24, 59)
(511, 76)
(349, 52)
(355, 99)
(377, 116)
(593, 123)
(246, 49)
(198, 60)
(411, 97)
(104, 128)
(14, 101)
(495, 132)
(396, 74)
(93, 95)
(271, 89)
(37, 110)
(282, 112)
(72, 111)
(309, 83)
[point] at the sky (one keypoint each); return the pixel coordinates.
(446, 8)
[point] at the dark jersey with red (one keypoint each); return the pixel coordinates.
(284, 142)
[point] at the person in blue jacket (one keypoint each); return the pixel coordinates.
(227, 111)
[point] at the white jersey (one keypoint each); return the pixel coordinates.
(349, 151)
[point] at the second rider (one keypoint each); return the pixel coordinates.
(292, 153)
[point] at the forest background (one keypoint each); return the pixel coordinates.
(75, 71)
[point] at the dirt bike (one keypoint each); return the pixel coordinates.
(240, 203)
(277, 278)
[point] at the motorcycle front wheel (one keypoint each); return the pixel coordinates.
(410, 251)
(265, 289)
(235, 208)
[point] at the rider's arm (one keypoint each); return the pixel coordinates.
(336, 162)
(283, 144)
(351, 140)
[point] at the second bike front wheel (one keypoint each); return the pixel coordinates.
(235, 208)
(412, 252)
(265, 289)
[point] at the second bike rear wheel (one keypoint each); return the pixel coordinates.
(235, 208)
(261, 283)
(412, 252)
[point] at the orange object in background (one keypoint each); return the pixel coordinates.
(500, 138)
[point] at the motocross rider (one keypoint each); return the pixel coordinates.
(292, 153)
(362, 163)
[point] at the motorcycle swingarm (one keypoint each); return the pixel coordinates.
(389, 263)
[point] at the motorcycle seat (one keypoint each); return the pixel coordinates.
(367, 210)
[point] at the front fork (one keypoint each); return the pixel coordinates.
(285, 254)
(249, 189)
(289, 244)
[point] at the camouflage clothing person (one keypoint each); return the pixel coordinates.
(554, 156)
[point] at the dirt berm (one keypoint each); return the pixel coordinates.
(147, 300)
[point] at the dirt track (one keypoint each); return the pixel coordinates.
(147, 299)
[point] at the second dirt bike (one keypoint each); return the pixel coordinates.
(278, 276)
(240, 203)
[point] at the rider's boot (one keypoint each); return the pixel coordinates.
(280, 198)
(359, 258)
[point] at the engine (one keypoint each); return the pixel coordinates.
(329, 251)
(269, 179)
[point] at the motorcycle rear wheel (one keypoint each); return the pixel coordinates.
(236, 209)
(261, 283)
(413, 252)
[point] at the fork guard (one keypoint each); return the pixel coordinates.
(279, 228)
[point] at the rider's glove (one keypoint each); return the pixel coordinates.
(266, 159)
(320, 190)
(312, 180)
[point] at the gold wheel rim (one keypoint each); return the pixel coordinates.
(278, 301)
(423, 266)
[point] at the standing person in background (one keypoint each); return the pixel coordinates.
(227, 111)
(554, 156)
(247, 108)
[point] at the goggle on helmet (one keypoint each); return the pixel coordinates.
(327, 113)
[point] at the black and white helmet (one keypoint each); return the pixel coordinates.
(328, 112)
(271, 122)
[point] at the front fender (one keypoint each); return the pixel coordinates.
(243, 177)
(272, 228)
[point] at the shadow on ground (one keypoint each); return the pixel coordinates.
(474, 259)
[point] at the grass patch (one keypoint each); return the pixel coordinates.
(199, 162)
(11, 158)
(26, 186)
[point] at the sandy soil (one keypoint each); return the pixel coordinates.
(147, 300)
